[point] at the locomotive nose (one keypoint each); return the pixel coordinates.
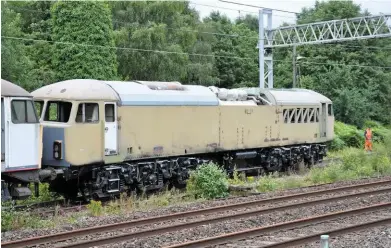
(54, 146)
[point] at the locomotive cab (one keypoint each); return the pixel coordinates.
(20, 141)
(72, 133)
(79, 127)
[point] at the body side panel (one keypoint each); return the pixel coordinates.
(167, 130)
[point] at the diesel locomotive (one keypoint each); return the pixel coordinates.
(101, 138)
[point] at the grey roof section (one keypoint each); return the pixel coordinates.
(77, 89)
(133, 93)
(10, 89)
(290, 96)
(140, 94)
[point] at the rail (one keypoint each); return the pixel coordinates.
(225, 238)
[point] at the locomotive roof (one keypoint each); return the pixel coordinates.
(297, 97)
(129, 93)
(10, 89)
(290, 96)
(77, 89)
(143, 93)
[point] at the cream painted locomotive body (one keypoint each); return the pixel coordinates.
(124, 135)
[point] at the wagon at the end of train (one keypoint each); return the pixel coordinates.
(21, 142)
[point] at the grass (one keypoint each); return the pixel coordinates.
(354, 164)
(12, 220)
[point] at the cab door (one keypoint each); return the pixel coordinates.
(2, 132)
(323, 121)
(111, 129)
(23, 135)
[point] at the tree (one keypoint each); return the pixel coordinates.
(36, 24)
(162, 36)
(249, 21)
(15, 65)
(84, 41)
(348, 73)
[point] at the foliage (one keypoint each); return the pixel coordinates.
(347, 135)
(358, 93)
(95, 208)
(355, 164)
(12, 220)
(350, 136)
(15, 64)
(167, 41)
(88, 26)
(208, 181)
(44, 193)
(237, 178)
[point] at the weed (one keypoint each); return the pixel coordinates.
(238, 178)
(268, 183)
(95, 208)
(292, 182)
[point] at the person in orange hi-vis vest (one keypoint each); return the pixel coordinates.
(368, 139)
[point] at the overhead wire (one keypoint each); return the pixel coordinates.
(123, 48)
(259, 7)
(239, 10)
(200, 32)
(181, 53)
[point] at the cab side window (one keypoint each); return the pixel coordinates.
(109, 113)
(38, 107)
(330, 110)
(87, 113)
(22, 111)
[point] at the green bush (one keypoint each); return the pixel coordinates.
(208, 181)
(372, 124)
(349, 136)
(337, 144)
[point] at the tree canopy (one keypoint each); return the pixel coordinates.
(167, 41)
(83, 40)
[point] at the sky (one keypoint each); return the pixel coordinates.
(204, 7)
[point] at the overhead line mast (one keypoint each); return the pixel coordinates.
(358, 28)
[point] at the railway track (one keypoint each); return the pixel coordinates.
(240, 210)
(226, 238)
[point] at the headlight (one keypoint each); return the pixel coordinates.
(57, 149)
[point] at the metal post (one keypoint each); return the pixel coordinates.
(298, 75)
(269, 58)
(294, 66)
(261, 36)
(324, 241)
(36, 189)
